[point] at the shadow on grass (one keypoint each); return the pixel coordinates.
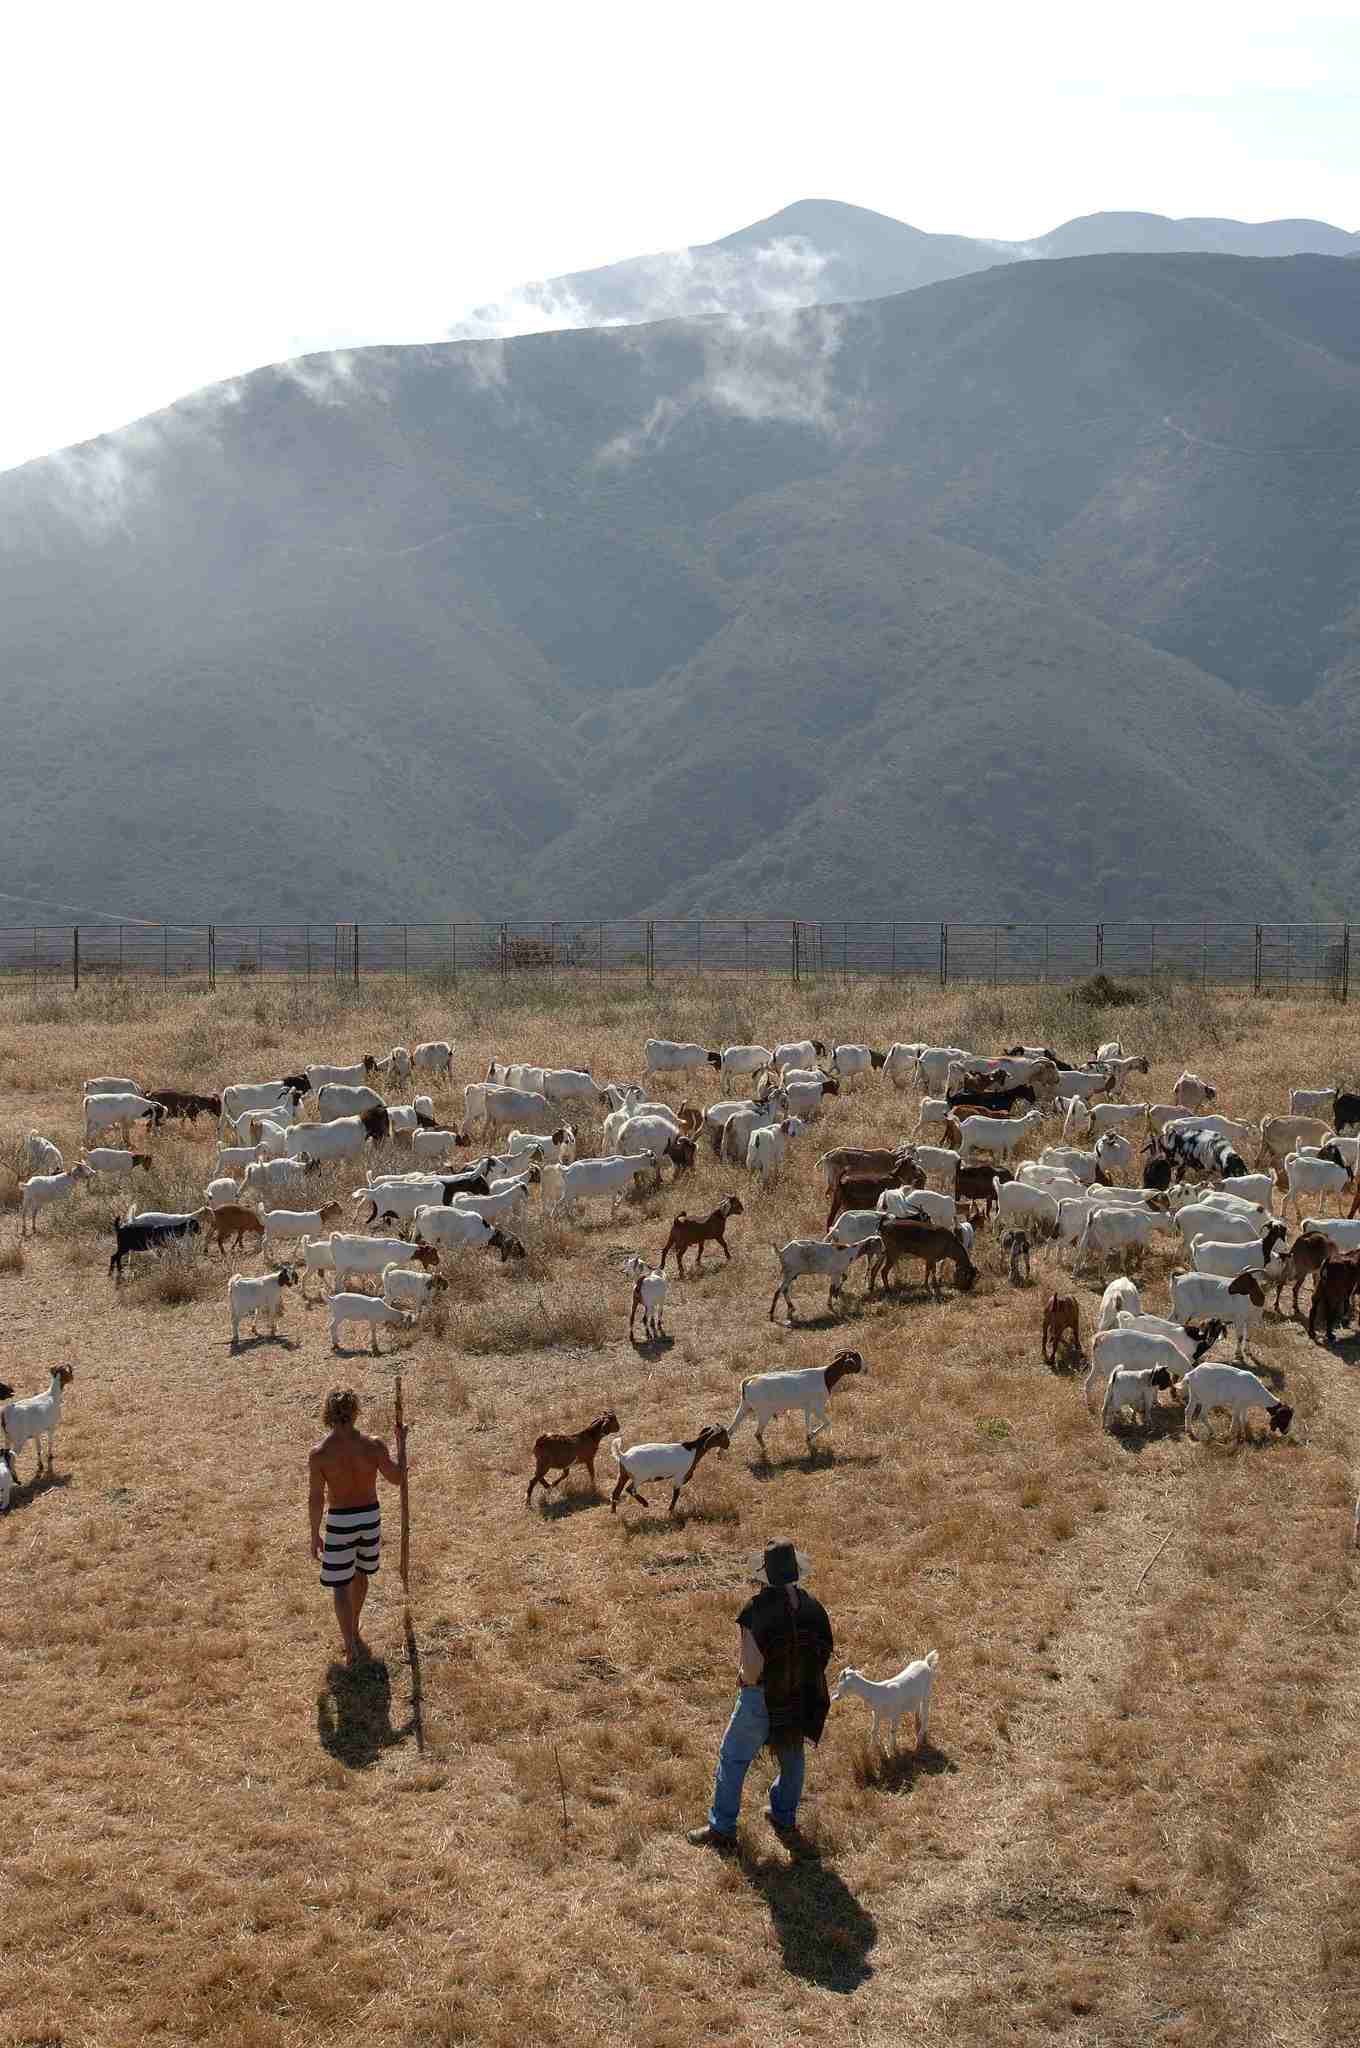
(354, 1715)
(238, 1346)
(812, 1461)
(29, 1491)
(898, 1770)
(653, 1347)
(824, 1933)
(1134, 1438)
(554, 1507)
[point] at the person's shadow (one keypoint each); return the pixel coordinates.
(824, 1932)
(354, 1714)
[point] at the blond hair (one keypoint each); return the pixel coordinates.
(341, 1409)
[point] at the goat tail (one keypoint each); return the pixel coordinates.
(616, 1449)
(931, 1659)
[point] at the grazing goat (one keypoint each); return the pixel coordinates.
(35, 1417)
(366, 1308)
(903, 1237)
(649, 1295)
(1062, 1326)
(1226, 1386)
(434, 1057)
(767, 1394)
(9, 1477)
(40, 1155)
(1131, 1350)
(1309, 1176)
(250, 1296)
(688, 1232)
(1015, 1244)
(401, 1288)
(1136, 1389)
(891, 1698)
(45, 1188)
(353, 1255)
(186, 1108)
(585, 1179)
(853, 1159)
(1333, 1296)
(676, 1462)
(1192, 1093)
(861, 1191)
(558, 1453)
(811, 1255)
(665, 1056)
(116, 1112)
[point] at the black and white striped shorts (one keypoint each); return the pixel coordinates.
(349, 1542)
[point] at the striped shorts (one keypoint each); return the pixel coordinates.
(349, 1542)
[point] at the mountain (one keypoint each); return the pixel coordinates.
(1031, 593)
(823, 252)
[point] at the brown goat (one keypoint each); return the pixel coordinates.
(1307, 1255)
(1337, 1281)
(231, 1222)
(906, 1237)
(688, 1231)
(1062, 1326)
(979, 1184)
(553, 1453)
(862, 1190)
(862, 1159)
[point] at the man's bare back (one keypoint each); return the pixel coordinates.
(346, 1463)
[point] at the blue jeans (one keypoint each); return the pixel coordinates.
(741, 1745)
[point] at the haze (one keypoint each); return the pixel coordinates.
(196, 192)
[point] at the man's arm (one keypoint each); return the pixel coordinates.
(390, 1469)
(751, 1663)
(316, 1500)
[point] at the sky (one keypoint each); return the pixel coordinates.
(194, 191)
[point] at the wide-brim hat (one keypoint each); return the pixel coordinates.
(778, 1564)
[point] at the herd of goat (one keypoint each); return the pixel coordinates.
(1117, 1176)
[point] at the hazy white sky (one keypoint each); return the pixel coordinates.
(194, 190)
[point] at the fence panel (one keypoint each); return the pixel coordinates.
(1273, 958)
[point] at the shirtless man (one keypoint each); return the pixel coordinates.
(343, 1468)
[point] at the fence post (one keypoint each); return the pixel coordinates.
(1045, 955)
(1288, 957)
(699, 947)
(1204, 957)
(996, 952)
(1152, 955)
(650, 953)
(356, 956)
(1345, 963)
(892, 958)
(1256, 964)
(793, 953)
(453, 950)
(944, 956)
(308, 944)
(259, 949)
(406, 953)
(1100, 945)
(212, 956)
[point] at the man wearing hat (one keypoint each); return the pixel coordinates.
(785, 1648)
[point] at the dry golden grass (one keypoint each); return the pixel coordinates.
(1141, 1818)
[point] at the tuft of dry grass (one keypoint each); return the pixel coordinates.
(1139, 1811)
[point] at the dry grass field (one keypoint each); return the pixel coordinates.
(1138, 1819)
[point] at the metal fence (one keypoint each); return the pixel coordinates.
(1267, 959)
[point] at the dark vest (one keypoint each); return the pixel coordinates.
(796, 1645)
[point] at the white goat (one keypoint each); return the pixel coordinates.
(1225, 1386)
(42, 1189)
(812, 1255)
(892, 1698)
(40, 1155)
(366, 1308)
(36, 1416)
(284, 1226)
(1136, 1389)
(587, 1179)
(249, 1297)
(1120, 1297)
(649, 1295)
(402, 1288)
(767, 1394)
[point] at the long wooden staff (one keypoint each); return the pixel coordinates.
(405, 1497)
(412, 1653)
